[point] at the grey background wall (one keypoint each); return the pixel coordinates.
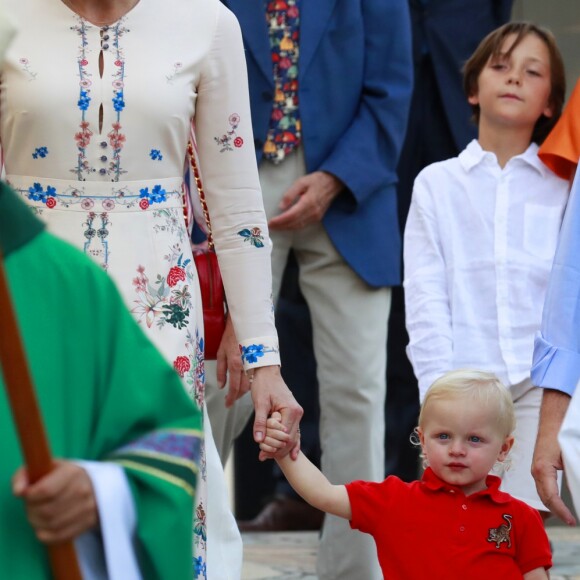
(562, 17)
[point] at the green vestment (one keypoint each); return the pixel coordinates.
(105, 393)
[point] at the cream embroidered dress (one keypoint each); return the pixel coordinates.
(94, 124)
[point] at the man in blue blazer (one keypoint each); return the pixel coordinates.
(330, 85)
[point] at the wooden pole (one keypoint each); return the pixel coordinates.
(28, 420)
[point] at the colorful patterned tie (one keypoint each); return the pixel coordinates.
(284, 133)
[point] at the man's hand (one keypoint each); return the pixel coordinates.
(270, 393)
(306, 201)
(61, 505)
(229, 364)
(547, 459)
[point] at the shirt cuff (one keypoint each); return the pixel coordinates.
(555, 368)
(260, 352)
(118, 520)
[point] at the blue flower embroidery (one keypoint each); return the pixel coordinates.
(156, 155)
(84, 101)
(254, 236)
(199, 567)
(252, 353)
(157, 195)
(118, 101)
(40, 152)
(37, 193)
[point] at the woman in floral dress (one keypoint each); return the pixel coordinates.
(97, 102)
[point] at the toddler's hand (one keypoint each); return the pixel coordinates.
(276, 436)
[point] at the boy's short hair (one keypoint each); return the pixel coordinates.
(490, 47)
(484, 389)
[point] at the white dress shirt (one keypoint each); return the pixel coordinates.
(479, 245)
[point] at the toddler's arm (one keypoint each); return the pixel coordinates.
(308, 481)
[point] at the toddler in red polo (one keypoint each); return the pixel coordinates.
(455, 523)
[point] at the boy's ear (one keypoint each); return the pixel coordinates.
(473, 99)
(506, 448)
(548, 111)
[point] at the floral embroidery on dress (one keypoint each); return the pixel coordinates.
(176, 70)
(96, 244)
(157, 195)
(116, 138)
(83, 137)
(156, 155)
(37, 193)
(200, 539)
(172, 222)
(167, 300)
(253, 352)
(40, 152)
(25, 66)
(117, 141)
(254, 236)
(230, 137)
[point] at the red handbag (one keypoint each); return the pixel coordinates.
(210, 279)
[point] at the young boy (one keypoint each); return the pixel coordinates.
(454, 523)
(482, 231)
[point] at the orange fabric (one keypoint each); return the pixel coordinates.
(561, 149)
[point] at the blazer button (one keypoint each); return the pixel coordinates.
(267, 96)
(258, 143)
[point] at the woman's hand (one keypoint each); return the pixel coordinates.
(229, 364)
(61, 505)
(270, 393)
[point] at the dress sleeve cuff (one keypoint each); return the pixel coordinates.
(260, 352)
(555, 368)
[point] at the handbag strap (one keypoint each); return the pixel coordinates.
(199, 185)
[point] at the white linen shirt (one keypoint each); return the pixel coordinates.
(479, 245)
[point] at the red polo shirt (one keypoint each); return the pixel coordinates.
(430, 529)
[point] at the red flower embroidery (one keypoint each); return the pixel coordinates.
(144, 204)
(175, 275)
(118, 63)
(84, 62)
(50, 202)
(238, 142)
(181, 364)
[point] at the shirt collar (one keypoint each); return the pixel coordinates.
(435, 483)
(474, 155)
(18, 226)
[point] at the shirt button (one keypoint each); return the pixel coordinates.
(103, 158)
(106, 37)
(464, 506)
(462, 529)
(105, 46)
(103, 144)
(102, 171)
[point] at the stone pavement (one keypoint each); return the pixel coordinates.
(292, 555)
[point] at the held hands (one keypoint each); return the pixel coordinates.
(276, 435)
(61, 505)
(306, 201)
(229, 362)
(270, 394)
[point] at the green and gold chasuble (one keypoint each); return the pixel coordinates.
(105, 393)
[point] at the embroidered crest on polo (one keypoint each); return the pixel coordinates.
(501, 534)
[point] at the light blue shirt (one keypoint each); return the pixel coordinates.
(556, 363)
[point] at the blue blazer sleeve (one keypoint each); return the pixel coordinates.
(365, 157)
